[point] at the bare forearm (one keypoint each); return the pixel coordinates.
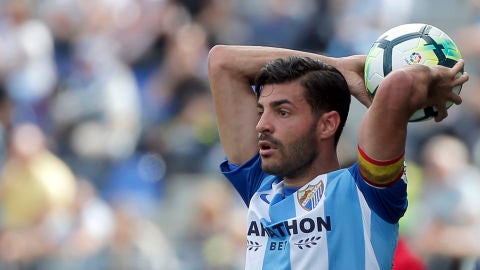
(235, 103)
(382, 133)
(244, 62)
(248, 60)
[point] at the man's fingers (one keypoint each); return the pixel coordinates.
(461, 78)
(458, 67)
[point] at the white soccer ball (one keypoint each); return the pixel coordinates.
(410, 44)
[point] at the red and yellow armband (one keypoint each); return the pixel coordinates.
(380, 173)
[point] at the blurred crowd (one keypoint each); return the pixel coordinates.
(108, 146)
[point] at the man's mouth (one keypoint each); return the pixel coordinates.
(266, 148)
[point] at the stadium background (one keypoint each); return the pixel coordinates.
(109, 148)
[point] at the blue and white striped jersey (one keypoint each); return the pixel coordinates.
(336, 221)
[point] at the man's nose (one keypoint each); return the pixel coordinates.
(264, 124)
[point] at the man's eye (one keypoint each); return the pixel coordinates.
(283, 113)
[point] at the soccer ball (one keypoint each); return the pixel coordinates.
(410, 44)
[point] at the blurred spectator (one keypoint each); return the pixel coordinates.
(90, 231)
(97, 117)
(405, 258)
(222, 22)
(65, 19)
(26, 60)
(139, 244)
(356, 26)
(317, 27)
(192, 132)
(185, 55)
(215, 227)
(449, 227)
(37, 190)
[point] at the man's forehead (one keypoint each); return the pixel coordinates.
(282, 94)
(289, 90)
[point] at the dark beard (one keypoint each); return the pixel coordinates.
(296, 158)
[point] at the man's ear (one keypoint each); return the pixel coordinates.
(328, 124)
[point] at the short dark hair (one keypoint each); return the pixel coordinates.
(325, 88)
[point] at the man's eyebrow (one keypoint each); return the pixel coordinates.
(275, 103)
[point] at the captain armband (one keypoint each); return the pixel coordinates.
(380, 173)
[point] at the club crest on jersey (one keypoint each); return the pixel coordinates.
(310, 196)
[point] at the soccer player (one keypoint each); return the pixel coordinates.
(280, 114)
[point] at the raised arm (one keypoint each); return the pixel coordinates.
(383, 130)
(232, 70)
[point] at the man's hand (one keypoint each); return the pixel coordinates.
(443, 81)
(352, 68)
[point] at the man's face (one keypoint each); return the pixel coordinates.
(287, 130)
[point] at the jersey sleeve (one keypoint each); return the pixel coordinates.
(245, 178)
(389, 202)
